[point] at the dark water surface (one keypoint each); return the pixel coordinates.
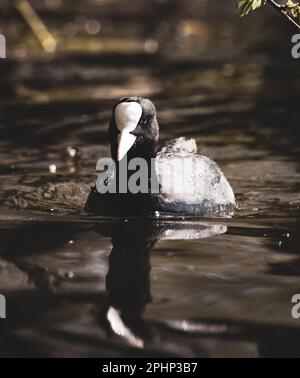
(78, 285)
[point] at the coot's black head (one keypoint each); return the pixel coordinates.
(133, 129)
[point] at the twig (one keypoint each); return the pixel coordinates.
(283, 10)
(36, 25)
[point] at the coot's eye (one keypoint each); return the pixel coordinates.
(139, 130)
(143, 121)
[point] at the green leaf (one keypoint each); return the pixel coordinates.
(246, 6)
(291, 4)
(296, 12)
(294, 9)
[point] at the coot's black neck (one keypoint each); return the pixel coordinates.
(146, 151)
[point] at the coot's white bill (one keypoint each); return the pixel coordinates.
(127, 115)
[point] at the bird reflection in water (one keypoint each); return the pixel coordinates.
(128, 279)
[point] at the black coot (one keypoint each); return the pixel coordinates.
(180, 182)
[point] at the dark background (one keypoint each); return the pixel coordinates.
(228, 82)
